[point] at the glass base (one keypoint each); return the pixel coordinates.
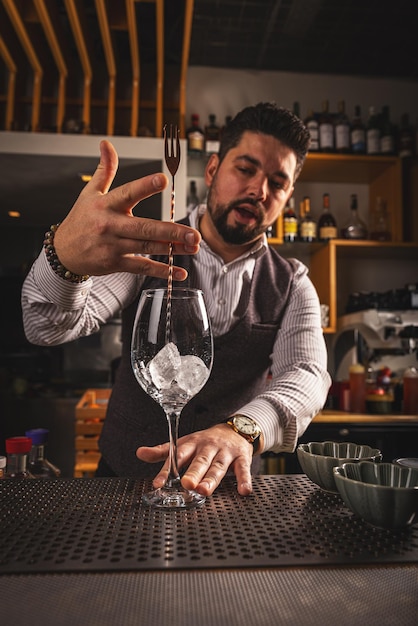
(173, 498)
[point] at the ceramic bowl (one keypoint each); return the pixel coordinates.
(317, 459)
(383, 494)
(407, 462)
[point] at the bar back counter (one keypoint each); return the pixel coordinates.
(88, 551)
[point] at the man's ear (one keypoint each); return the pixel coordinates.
(211, 169)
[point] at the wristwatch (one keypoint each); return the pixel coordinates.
(247, 428)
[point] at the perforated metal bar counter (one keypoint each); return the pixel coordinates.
(87, 551)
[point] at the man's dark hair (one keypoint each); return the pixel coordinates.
(268, 118)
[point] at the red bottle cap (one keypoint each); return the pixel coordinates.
(18, 445)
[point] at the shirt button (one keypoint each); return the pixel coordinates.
(221, 301)
(225, 269)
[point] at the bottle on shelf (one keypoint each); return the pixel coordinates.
(290, 222)
(312, 125)
(357, 386)
(271, 232)
(326, 129)
(228, 118)
(406, 137)
(379, 229)
(212, 136)
(17, 450)
(373, 132)
(195, 138)
(388, 137)
(296, 109)
(38, 464)
(355, 227)
(327, 224)
(358, 133)
(410, 391)
(307, 224)
(342, 129)
(192, 198)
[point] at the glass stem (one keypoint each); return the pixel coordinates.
(173, 426)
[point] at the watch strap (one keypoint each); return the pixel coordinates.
(254, 441)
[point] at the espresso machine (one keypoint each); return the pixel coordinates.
(379, 330)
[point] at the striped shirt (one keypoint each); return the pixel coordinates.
(56, 311)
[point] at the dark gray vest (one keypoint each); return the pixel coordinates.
(242, 358)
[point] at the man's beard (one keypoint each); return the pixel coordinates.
(239, 233)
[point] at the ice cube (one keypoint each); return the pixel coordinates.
(164, 365)
(192, 374)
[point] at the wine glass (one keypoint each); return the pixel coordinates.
(172, 354)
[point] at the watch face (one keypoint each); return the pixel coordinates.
(245, 425)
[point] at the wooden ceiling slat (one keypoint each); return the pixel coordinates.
(73, 9)
(23, 36)
(187, 33)
(159, 8)
(53, 41)
(11, 83)
(110, 62)
(136, 72)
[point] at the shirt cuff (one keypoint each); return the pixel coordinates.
(266, 417)
(63, 293)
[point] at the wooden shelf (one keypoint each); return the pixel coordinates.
(346, 168)
(342, 417)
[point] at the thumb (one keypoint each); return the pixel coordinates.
(153, 454)
(106, 169)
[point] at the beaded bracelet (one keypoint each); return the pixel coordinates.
(54, 261)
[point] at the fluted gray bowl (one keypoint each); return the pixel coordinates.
(318, 458)
(383, 494)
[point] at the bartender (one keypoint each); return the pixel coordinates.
(269, 377)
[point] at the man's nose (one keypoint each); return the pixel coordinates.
(258, 187)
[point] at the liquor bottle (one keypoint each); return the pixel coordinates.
(373, 132)
(228, 118)
(387, 140)
(212, 136)
(195, 138)
(342, 129)
(358, 133)
(290, 222)
(17, 450)
(192, 199)
(326, 129)
(296, 109)
(38, 464)
(354, 228)
(327, 225)
(271, 232)
(307, 225)
(379, 222)
(406, 137)
(312, 125)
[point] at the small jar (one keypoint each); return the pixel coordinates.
(357, 382)
(410, 391)
(379, 402)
